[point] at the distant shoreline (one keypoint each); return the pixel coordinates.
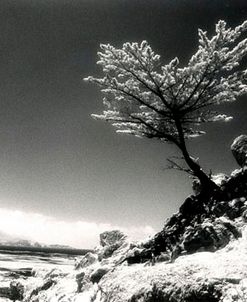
(46, 250)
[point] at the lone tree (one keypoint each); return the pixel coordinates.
(168, 102)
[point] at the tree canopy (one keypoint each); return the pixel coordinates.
(169, 102)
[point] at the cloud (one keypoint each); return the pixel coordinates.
(49, 230)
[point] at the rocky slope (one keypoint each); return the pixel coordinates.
(199, 277)
(199, 256)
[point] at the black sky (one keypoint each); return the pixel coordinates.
(54, 159)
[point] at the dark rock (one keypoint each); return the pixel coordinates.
(79, 281)
(24, 272)
(209, 236)
(191, 207)
(14, 292)
(139, 255)
(98, 274)
(189, 231)
(46, 285)
(220, 208)
(202, 292)
(239, 150)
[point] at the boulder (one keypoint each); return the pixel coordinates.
(110, 241)
(239, 150)
(112, 237)
(98, 274)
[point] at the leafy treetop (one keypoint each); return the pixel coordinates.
(148, 99)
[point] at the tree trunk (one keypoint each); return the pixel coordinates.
(207, 185)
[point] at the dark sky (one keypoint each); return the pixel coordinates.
(54, 158)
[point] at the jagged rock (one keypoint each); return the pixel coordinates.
(209, 236)
(98, 274)
(232, 209)
(112, 237)
(86, 260)
(239, 150)
(110, 242)
(230, 202)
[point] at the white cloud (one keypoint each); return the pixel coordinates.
(49, 230)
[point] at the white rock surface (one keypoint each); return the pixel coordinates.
(123, 282)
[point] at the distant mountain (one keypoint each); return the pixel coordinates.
(6, 239)
(59, 246)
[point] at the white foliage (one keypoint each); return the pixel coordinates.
(145, 98)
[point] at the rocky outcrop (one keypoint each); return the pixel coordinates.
(239, 150)
(112, 237)
(110, 241)
(209, 235)
(204, 277)
(204, 223)
(219, 276)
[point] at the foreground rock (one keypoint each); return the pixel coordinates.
(202, 223)
(199, 256)
(13, 292)
(204, 276)
(219, 276)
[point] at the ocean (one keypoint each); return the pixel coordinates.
(22, 266)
